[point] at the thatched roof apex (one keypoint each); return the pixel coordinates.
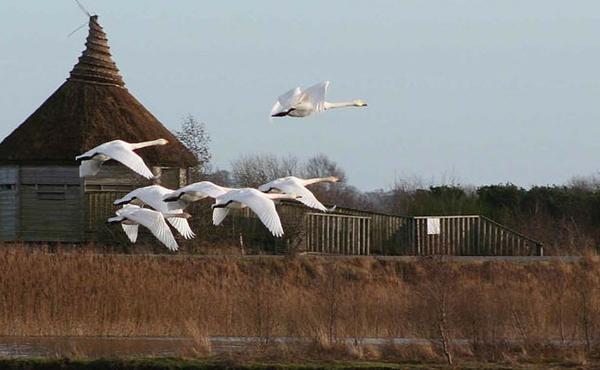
(95, 63)
(90, 108)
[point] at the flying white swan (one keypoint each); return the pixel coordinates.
(153, 196)
(302, 103)
(120, 151)
(131, 216)
(260, 203)
(195, 192)
(297, 186)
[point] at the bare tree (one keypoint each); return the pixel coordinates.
(438, 293)
(256, 169)
(194, 136)
(321, 166)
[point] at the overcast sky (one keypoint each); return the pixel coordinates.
(481, 91)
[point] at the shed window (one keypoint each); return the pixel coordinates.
(7, 187)
(111, 188)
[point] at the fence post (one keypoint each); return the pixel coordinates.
(540, 250)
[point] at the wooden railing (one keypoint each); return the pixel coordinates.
(338, 234)
(469, 235)
(345, 231)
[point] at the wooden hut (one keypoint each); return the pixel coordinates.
(42, 197)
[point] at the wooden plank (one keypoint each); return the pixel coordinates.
(467, 249)
(422, 250)
(467, 237)
(308, 232)
(347, 235)
(354, 244)
(490, 239)
(472, 235)
(496, 237)
(368, 237)
(50, 175)
(323, 249)
(362, 236)
(463, 236)
(338, 235)
(483, 239)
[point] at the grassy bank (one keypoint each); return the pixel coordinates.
(501, 310)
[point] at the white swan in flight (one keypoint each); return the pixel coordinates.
(297, 186)
(194, 192)
(260, 203)
(153, 196)
(132, 216)
(302, 103)
(120, 151)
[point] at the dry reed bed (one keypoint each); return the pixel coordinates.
(488, 304)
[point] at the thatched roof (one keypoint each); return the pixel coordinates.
(90, 108)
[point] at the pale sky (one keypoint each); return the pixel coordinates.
(483, 91)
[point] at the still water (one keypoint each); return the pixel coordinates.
(95, 347)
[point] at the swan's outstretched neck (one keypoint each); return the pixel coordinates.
(321, 179)
(342, 104)
(116, 219)
(144, 144)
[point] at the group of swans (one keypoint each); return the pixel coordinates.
(166, 206)
(301, 103)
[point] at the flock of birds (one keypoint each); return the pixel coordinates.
(155, 206)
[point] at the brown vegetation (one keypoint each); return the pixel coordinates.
(488, 310)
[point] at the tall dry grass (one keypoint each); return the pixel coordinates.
(520, 307)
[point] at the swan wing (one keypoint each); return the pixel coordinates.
(131, 231)
(183, 227)
(130, 159)
(89, 167)
(264, 208)
(286, 101)
(306, 196)
(315, 95)
(155, 222)
(269, 185)
(153, 196)
(219, 215)
(208, 188)
(197, 190)
(127, 208)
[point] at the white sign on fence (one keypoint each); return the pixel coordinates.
(433, 226)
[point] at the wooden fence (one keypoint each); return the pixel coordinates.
(338, 234)
(469, 235)
(345, 231)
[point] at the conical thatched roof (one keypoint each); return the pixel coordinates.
(95, 63)
(90, 108)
